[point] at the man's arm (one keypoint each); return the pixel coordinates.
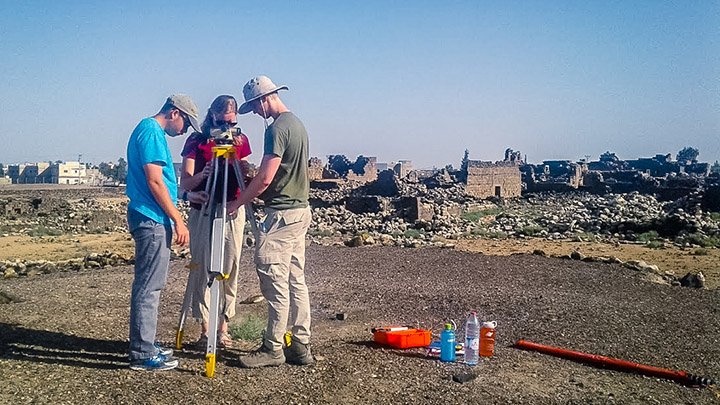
(153, 175)
(268, 168)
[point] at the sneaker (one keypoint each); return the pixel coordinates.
(298, 353)
(157, 363)
(263, 357)
(165, 351)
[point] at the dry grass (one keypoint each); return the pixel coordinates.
(671, 258)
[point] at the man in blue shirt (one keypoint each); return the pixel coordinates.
(152, 212)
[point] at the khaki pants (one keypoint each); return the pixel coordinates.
(280, 261)
(200, 264)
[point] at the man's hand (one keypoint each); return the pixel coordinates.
(232, 206)
(207, 170)
(182, 235)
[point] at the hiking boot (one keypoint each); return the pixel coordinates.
(263, 357)
(165, 351)
(298, 354)
(157, 363)
(201, 342)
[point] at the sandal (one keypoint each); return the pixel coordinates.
(224, 340)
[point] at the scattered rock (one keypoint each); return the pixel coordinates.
(463, 377)
(10, 273)
(7, 298)
(692, 280)
(253, 299)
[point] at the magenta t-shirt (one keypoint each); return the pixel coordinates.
(199, 148)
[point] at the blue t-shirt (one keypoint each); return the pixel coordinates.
(147, 144)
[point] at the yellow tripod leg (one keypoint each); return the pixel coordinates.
(178, 339)
(210, 365)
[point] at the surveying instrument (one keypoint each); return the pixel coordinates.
(224, 155)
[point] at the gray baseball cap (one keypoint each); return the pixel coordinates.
(184, 103)
(256, 88)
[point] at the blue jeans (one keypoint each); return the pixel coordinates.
(152, 259)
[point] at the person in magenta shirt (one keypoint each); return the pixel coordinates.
(195, 173)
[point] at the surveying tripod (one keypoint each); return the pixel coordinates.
(222, 155)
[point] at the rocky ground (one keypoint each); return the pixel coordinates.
(406, 213)
(592, 273)
(63, 337)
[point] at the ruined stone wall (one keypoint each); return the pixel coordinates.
(370, 173)
(487, 179)
(315, 169)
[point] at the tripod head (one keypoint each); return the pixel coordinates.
(224, 135)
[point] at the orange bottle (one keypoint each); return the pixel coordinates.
(487, 339)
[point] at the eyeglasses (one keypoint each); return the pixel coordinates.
(186, 120)
(226, 123)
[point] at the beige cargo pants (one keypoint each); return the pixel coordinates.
(199, 227)
(280, 264)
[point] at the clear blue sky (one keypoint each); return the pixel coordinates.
(418, 80)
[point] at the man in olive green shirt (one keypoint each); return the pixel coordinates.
(282, 183)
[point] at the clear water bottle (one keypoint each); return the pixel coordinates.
(447, 343)
(472, 339)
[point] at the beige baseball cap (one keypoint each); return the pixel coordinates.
(256, 88)
(184, 103)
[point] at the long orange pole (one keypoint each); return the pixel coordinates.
(618, 364)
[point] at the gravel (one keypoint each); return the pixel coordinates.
(63, 336)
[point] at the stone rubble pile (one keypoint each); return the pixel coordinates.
(16, 268)
(395, 212)
(55, 215)
(453, 215)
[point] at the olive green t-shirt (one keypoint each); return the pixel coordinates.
(286, 137)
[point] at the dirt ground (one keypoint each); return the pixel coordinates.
(678, 261)
(673, 259)
(63, 339)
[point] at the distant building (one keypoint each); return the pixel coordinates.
(32, 173)
(68, 173)
(487, 179)
(53, 173)
(13, 171)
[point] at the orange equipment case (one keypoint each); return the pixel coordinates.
(405, 338)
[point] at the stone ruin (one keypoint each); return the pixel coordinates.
(487, 179)
(394, 211)
(361, 171)
(658, 175)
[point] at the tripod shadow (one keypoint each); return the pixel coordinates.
(40, 346)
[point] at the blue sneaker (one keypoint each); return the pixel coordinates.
(157, 363)
(165, 351)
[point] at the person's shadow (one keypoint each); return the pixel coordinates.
(22, 344)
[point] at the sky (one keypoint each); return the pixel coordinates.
(399, 80)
